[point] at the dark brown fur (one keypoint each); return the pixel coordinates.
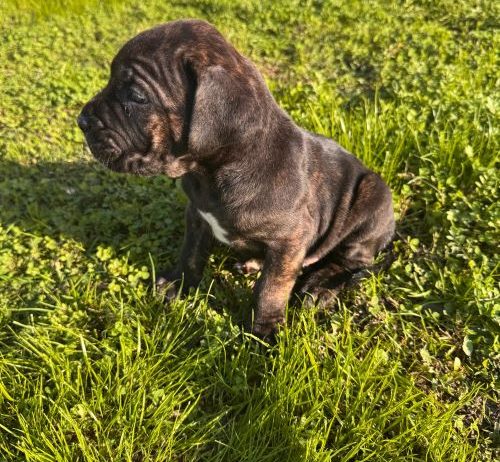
(181, 101)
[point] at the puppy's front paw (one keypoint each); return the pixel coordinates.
(173, 283)
(168, 285)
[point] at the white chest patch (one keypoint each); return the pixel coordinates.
(219, 232)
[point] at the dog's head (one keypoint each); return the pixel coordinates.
(178, 95)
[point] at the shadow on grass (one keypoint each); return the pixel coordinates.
(94, 207)
(85, 202)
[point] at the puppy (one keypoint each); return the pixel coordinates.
(182, 102)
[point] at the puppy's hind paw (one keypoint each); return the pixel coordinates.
(267, 330)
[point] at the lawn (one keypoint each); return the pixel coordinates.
(405, 367)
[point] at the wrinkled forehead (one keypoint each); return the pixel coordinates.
(164, 44)
(141, 50)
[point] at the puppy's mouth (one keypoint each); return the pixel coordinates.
(143, 164)
(103, 148)
(107, 151)
(126, 161)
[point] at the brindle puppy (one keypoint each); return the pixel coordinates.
(182, 102)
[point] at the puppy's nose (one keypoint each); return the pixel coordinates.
(83, 122)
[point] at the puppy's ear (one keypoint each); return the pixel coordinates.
(221, 112)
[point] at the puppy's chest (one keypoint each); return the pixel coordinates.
(209, 204)
(230, 235)
(228, 228)
(220, 233)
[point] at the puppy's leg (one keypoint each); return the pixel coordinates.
(272, 290)
(322, 284)
(346, 266)
(368, 229)
(198, 242)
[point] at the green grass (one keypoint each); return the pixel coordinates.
(405, 368)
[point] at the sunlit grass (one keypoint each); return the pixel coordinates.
(92, 365)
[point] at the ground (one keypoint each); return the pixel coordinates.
(405, 367)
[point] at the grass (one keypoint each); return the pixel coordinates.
(405, 368)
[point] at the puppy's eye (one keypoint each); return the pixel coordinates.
(137, 96)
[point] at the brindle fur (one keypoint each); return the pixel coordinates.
(300, 202)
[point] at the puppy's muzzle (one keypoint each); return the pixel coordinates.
(87, 122)
(83, 122)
